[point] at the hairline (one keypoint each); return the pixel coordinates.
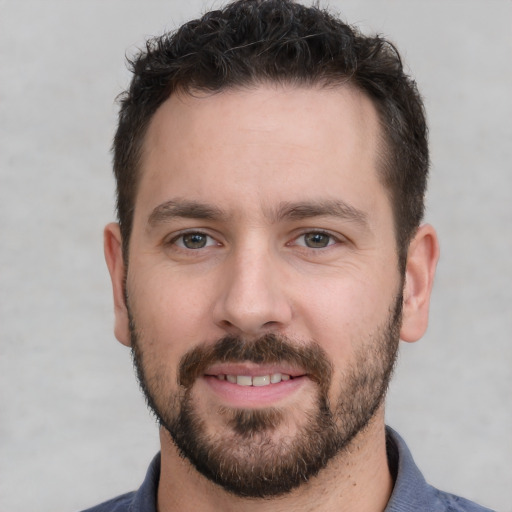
(383, 147)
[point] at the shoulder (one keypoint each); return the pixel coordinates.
(119, 504)
(451, 503)
(142, 500)
(411, 491)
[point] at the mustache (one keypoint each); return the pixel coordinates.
(267, 349)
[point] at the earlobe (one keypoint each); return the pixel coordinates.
(114, 257)
(422, 258)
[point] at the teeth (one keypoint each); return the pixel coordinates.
(260, 380)
(264, 380)
(244, 380)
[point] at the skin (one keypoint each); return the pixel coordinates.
(249, 154)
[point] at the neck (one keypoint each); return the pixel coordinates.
(356, 479)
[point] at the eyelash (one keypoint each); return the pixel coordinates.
(332, 240)
(174, 241)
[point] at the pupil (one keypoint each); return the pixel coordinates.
(194, 241)
(316, 240)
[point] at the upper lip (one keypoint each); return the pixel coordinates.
(252, 369)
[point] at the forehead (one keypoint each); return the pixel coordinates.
(270, 143)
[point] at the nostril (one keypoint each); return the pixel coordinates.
(261, 310)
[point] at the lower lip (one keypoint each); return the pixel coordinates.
(253, 396)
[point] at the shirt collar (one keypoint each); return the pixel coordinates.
(144, 500)
(410, 492)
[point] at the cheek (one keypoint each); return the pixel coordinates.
(341, 315)
(169, 293)
(170, 313)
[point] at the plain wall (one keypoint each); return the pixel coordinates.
(74, 429)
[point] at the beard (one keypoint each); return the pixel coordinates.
(248, 456)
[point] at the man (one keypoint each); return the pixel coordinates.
(271, 165)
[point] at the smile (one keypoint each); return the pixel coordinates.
(260, 380)
(246, 385)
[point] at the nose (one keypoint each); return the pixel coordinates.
(252, 299)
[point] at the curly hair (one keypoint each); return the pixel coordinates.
(278, 41)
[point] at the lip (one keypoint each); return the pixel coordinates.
(234, 395)
(252, 370)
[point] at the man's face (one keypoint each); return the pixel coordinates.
(263, 285)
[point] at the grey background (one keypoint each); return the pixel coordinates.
(73, 427)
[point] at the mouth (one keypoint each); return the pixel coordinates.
(257, 380)
(251, 385)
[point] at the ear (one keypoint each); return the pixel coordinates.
(113, 248)
(422, 258)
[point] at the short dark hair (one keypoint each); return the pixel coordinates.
(278, 41)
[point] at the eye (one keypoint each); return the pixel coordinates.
(316, 240)
(195, 240)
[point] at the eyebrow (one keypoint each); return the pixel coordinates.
(184, 209)
(178, 208)
(324, 208)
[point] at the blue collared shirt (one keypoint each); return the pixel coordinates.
(411, 493)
